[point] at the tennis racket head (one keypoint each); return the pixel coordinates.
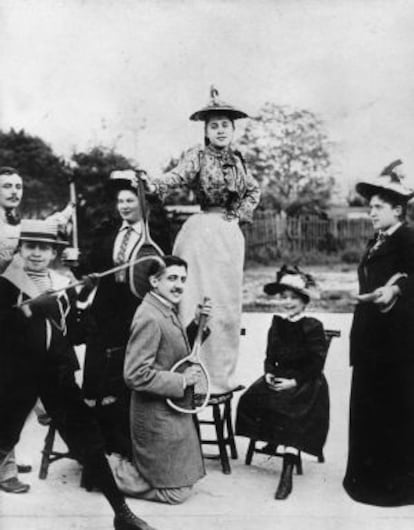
(142, 262)
(196, 396)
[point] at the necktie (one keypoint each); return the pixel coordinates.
(381, 237)
(121, 256)
(12, 218)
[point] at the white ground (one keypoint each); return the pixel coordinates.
(242, 500)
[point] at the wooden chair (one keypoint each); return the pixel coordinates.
(221, 409)
(50, 455)
(251, 450)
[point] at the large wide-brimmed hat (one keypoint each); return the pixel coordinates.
(123, 179)
(390, 180)
(295, 279)
(40, 231)
(217, 106)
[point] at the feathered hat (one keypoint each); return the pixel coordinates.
(217, 106)
(390, 180)
(123, 179)
(295, 279)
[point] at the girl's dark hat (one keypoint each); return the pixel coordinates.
(389, 180)
(40, 231)
(124, 179)
(217, 106)
(296, 280)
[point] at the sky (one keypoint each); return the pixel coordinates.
(128, 73)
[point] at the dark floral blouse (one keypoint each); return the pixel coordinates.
(217, 178)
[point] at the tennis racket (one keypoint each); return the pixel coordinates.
(195, 396)
(146, 252)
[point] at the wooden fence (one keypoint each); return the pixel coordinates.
(305, 233)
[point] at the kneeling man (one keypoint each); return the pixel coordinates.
(167, 457)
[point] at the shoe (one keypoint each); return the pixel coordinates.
(13, 485)
(24, 468)
(126, 520)
(285, 486)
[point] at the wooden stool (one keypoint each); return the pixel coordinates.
(49, 455)
(251, 450)
(221, 405)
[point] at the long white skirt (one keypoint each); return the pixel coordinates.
(214, 250)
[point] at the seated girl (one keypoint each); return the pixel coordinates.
(289, 406)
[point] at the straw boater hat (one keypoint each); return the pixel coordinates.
(296, 280)
(217, 106)
(390, 180)
(40, 231)
(124, 179)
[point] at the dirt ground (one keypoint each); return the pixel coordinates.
(242, 500)
(338, 285)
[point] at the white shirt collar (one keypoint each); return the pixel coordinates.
(391, 229)
(136, 226)
(162, 299)
(295, 318)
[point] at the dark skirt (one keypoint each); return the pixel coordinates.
(297, 417)
(380, 468)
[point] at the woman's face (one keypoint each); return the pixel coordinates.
(292, 302)
(383, 214)
(128, 206)
(220, 131)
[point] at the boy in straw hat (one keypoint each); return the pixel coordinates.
(288, 407)
(37, 360)
(380, 469)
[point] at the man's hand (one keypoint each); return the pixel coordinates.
(42, 305)
(192, 375)
(203, 309)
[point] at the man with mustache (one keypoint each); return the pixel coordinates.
(167, 458)
(11, 192)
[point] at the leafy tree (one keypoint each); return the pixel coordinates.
(44, 173)
(287, 152)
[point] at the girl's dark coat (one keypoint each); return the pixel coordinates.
(297, 417)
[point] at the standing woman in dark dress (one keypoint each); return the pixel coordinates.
(211, 242)
(380, 469)
(288, 407)
(111, 312)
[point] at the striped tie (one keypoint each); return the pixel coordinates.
(380, 238)
(121, 256)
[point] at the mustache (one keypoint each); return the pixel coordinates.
(177, 291)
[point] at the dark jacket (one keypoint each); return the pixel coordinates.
(110, 317)
(385, 337)
(298, 416)
(30, 346)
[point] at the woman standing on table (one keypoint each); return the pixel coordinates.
(211, 242)
(380, 468)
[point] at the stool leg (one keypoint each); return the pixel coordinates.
(321, 458)
(47, 450)
(197, 426)
(299, 468)
(219, 425)
(230, 432)
(250, 452)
